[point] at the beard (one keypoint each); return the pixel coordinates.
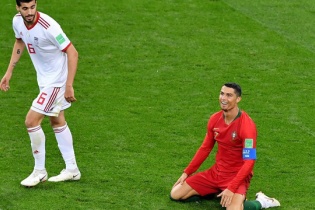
(29, 20)
(227, 108)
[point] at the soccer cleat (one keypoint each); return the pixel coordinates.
(66, 175)
(265, 201)
(36, 177)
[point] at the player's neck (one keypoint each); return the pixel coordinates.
(231, 115)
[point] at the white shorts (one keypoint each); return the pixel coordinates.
(50, 101)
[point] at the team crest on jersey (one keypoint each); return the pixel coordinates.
(216, 135)
(215, 132)
(234, 135)
(36, 40)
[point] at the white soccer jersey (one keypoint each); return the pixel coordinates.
(46, 44)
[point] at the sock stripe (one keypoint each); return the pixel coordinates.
(60, 129)
(31, 130)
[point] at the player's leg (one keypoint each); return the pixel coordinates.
(182, 192)
(261, 202)
(252, 205)
(239, 196)
(196, 186)
(37, 137)
(237, 202)
(65, 144)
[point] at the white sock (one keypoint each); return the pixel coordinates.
(37, 138)
(65, 144)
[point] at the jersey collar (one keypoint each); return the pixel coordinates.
(237, 116)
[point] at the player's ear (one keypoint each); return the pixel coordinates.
(17, 8)
(238, 99)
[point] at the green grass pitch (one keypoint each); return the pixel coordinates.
(148, 79)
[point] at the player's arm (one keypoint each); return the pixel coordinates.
(243, 173)
(201, 155)
(73, 56)
(249, 136)
(203, 151)
(18, 49)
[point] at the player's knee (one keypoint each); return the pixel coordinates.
(30, 123)
(234, 207)
(174, 195)
(173, 199)
(33, 119)
(58, 121)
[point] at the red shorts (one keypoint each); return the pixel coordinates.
(212, 181)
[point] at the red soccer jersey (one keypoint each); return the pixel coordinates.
(231, 141)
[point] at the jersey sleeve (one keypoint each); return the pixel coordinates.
(248, 135)
(58, 37)
(203, 151)
(243, 173)
(14, 25)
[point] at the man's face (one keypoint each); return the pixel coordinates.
(228, 99)
(28, 11)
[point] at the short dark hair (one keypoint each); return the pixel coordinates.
(237, 88)
(18, 2)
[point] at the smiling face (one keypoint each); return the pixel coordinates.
(28, 12)
(228, 99)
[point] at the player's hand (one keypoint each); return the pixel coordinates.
(69, 94)
(181, 179)
(4, 84)
(226, 197)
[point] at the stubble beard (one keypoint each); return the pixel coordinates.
(29, 22)
(226, 110)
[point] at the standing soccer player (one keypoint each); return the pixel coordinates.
(235, 133)
(55, 60)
